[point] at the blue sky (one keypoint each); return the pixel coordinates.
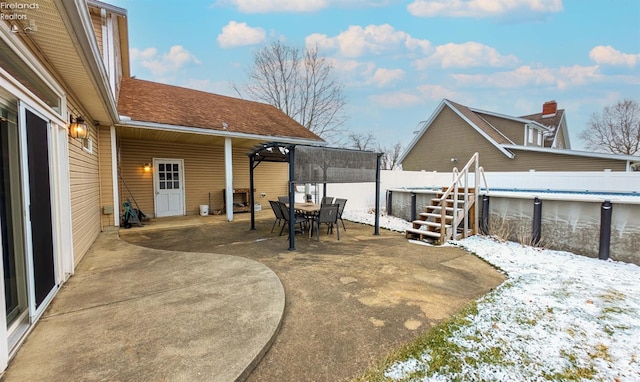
(399, 59)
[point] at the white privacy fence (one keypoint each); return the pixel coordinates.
(362, 195)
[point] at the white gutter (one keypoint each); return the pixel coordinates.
(588, 154)
(127, 122)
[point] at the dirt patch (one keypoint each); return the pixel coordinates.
(349, 302)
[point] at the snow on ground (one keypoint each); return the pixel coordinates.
(557, 314)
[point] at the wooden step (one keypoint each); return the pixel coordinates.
(438, 208)
(427, 215)
(421, 233)
(448, 201)
(428, 224)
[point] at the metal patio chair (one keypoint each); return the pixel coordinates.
(327, 200)
(328, 215)
(277, 211)
(341, 203)
(299, 219)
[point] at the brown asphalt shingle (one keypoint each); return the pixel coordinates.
(153, 102)
(552, 122)
(482, 124)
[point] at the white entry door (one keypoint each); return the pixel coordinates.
(169, 187)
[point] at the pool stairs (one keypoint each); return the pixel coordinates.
(452, 214)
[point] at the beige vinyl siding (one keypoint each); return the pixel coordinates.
(203, 173)
(450, 137)
(96, 21)
(85, 194)
(511, 129)
(526, 160)
(106, 176)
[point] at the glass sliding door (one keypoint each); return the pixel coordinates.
(41, 223)
(11, 227)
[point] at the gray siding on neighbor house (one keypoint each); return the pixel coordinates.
(530, 160)
(449, 137)
(511, 129)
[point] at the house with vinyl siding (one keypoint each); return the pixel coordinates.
(67, 61)
(539, 142)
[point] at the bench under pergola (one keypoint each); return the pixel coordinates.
(319, 165)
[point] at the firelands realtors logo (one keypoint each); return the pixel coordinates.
(15, 11)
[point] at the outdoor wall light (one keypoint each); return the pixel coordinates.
(147, 167)
(78, 128)
(454, 160)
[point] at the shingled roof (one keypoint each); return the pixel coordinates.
(552, 121)
(152, 102)
(482, 124)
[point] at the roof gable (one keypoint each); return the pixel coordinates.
(155, 103)
(474, 120)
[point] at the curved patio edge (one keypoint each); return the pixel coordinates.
(134, 313)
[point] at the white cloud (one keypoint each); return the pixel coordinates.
(240, 34)
(372, 39)
(466, 55)
(482, 8)
(383, 77)
(524, 76)
(176, 58)
(137, 54)
(436, 92)
(396, 99)
(607, 55)
(266, 6)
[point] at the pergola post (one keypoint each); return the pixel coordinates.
(292, 200)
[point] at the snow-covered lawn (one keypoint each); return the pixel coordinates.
(558, 316)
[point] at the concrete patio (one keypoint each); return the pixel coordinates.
(197, 298)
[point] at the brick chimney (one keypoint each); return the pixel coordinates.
(549, 109)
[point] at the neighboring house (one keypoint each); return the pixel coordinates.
(61, 60)
(533, 142)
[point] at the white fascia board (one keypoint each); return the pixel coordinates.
(587, 154)
(423, 129)
(502, 148)
(77, 14)
(127, 122)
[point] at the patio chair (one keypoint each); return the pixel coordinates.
(328, 215)
(277, 211)
(341, 203)
(283, 199)
(327, 200)
(299, 219)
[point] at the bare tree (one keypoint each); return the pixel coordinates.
(616, 130)
(390, 156)
(301, 84)
(361, 141)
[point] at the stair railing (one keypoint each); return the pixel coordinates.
(458, 178)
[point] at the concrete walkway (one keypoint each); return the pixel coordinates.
(140, 314)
